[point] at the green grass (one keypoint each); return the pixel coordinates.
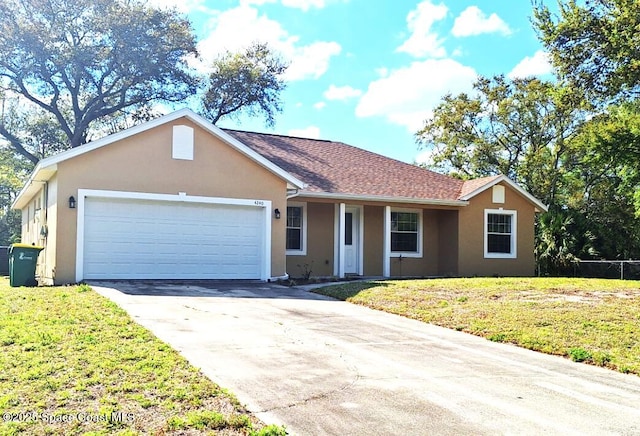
(68, 354)
(586, 320)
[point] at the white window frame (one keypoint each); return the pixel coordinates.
(303, 238)
(514, 234)
(418, 253)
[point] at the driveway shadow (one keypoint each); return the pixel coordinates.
(208, 289)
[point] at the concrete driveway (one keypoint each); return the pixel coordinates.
(321, 366)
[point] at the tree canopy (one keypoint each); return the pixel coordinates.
(594, 44)
(81, 60)
(544, 136)
(515, 127)
(71, 70)
(247, 82)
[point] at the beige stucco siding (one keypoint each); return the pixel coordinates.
(47, 260)
(144, 163)
(37, 218)
(320, 237)
(471, 242)
(448, 243)
(373, 241)
(321, 242)
(427, 264)
(452, 240)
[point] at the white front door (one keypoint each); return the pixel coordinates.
(351, 240)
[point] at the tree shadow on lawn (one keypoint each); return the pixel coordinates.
(348, 290)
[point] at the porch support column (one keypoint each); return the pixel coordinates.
(341, 230)
(386, 243)
(336, 239)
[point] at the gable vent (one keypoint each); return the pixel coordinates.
(498, 194)
(182, 146)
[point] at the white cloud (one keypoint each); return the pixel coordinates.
(311, 132)
(536, 65)
(255, 2)
(236, 28)
(310, 61)
(425, 157)
(472, 21)
(182, 6)
(408, 95)
(320, 105)
(305, 5)
(341, 93)
(423, 42)
(382, 72)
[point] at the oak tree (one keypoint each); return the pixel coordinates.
(593, 44)
(520, 128)
(83, 60)
(246, 82)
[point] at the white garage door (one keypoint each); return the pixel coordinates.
(149, 239)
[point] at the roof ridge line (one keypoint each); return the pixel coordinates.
(280, 135)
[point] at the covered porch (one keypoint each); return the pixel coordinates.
(328, 238)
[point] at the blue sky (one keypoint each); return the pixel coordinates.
(368, 72)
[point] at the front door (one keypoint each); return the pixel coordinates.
(351, 240)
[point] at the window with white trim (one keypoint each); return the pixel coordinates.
(296, 229)
(406, 233)
(500, 233)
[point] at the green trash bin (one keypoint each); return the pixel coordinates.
(22, 264)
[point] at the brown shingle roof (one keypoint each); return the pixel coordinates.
(470, 186)
(338, 168)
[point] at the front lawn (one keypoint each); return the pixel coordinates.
(590, 320)
(72, 362)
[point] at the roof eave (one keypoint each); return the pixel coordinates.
(40, 174)
(380, 198)
(537, 203)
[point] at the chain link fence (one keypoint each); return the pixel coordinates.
(608, 269)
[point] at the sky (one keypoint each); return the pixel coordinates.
(369, 72)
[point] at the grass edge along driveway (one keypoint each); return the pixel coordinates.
(75, 363)
(587, 320)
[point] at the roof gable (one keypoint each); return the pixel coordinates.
(47, 167)
(471, 188)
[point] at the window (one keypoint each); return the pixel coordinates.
(296, 229)
(348, 228)
(406, 233)
(500, 234)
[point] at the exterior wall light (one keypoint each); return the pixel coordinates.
(72, 202)
(277, 213)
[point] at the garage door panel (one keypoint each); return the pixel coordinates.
(151, 239)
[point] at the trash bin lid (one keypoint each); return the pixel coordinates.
(34, 247)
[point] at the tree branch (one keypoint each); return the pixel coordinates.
(17, 144)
